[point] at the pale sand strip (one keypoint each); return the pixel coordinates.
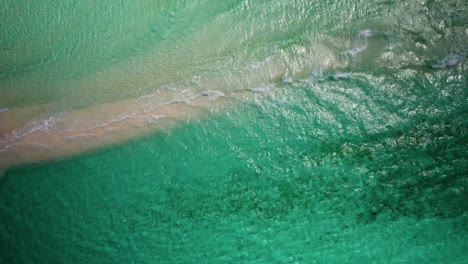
(25, 138)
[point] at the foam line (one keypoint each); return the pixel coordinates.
(451, 59)
(341, 75)
(263, 88)
(212, 95)
(361, 42)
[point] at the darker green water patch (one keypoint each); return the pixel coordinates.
(289, 176)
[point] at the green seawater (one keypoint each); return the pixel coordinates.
(347, 141)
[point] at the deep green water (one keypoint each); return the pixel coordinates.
(346, 142)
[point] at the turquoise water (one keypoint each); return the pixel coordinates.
(343, 139)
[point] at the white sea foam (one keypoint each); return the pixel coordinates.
(360, 43)
(264, 88)
(43, 124)
(451, 59)
(6, 147)
(212, 95)
(341, 75)
(366, 33)
(4, 110)
(12, 138)
(356, 51)
(144, 109)
(259, 64)
(316, 76)
(157, 92)
(151, 119)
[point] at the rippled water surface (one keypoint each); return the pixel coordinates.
(233, 131)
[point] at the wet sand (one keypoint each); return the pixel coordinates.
(28, 135)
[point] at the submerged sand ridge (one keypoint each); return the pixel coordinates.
(41, 132)
(25, 137)
(58, 108)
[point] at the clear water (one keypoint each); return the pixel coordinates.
(281, 132)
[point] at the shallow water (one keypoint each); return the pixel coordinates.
(234, 132)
